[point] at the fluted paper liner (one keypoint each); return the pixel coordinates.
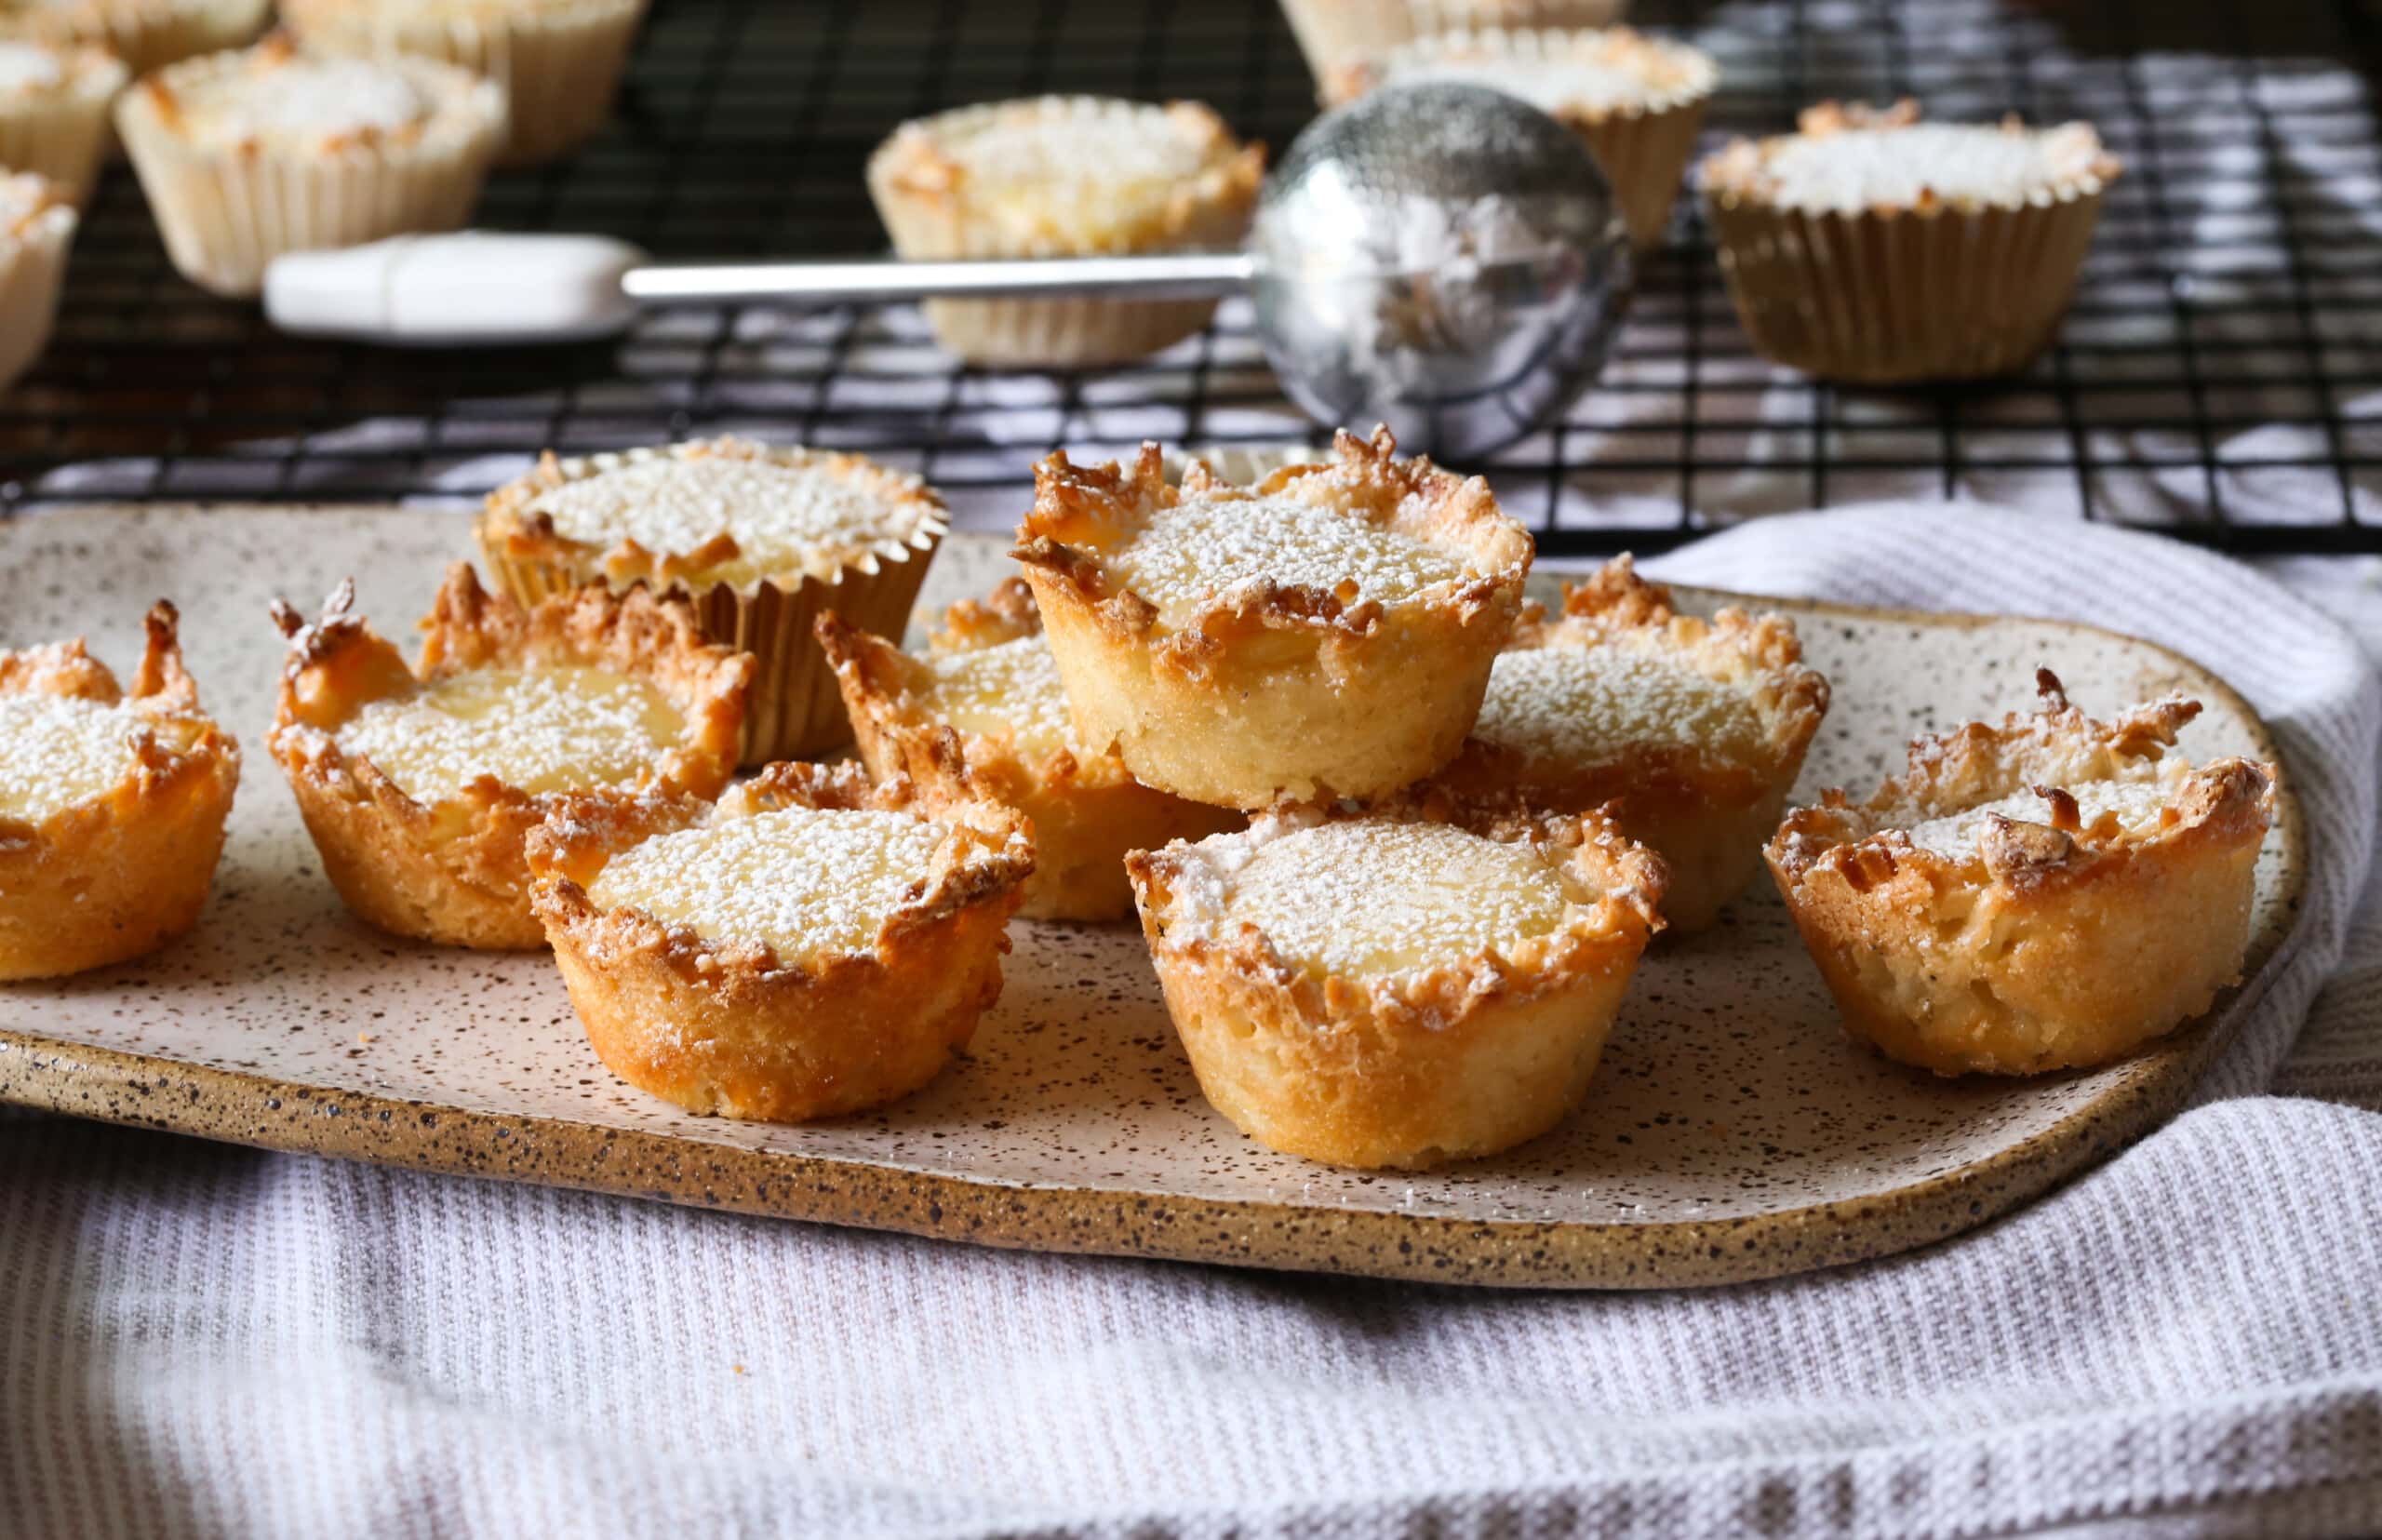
(1885, 296)
(793, 710)
(560, 64)
(226, 212)
(32, 265)
(62, 134)
(146, 35)
(1644, 154)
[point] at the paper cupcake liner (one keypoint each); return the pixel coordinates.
(1331, 31)
(561, 64)
(796, 710)
(150, 35)
(1885, 297)
(224, 214)
(32, 265)
(63, 134)
(1644, 156)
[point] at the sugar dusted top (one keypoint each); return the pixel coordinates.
(1010, 688)
(2135, 804)
(1590, 72)
(1379, 898)
(804, 882)
(1849, 161)
(1587, 705)
(56, 752)
(304, 103)
(544, 729)
(1210, 544)
(785, 511)
(27, 68)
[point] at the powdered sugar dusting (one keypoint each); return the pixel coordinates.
(544, 730)
(1585, 705)
(1372, 899)
(801, 881)
(1904, 166)
(1206, 546)
(784, 517)
(1011, 689)
(302, 100)
(56, 752)
(27, 67)
(2135, 803)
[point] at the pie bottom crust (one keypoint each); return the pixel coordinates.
(731, 1029)
(1086, 814)
(117, 876)
(2055, 948)
(453, 873)
(1457, 1061)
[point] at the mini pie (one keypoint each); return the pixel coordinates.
(560, 60)
(1327, 632)
(982, 715)
(1417, 985)
(2048, 894)
(246, 155)
(1688, 733)
(760, 539)
(146, 35)
(419, 785)
(810, 946)
(54, 99)
(1873, 247)
(1063, 176)
(37, 228)
(1332, 33)
(112, 805)
(1636, 101)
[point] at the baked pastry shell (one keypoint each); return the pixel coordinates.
(33, 269)
(1465, 1058)
(921, 196)
(734, 1029)
(561, 63)
(1085, 812)
(62, 134)
(1333, 34)
(795, 707)
(146, 35)
(1641, 147)
(453, 872)
(2054, 949)
(225, 211)
(1890, 294)
(1274, 691)
(1706, 811)
(119, 875)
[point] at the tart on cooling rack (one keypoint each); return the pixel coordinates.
(559, 61)
(37, 224)
(54, 99)
(2050, 893)
(1332, 33)
(249, 154)
(146, 35)
(1636, 101)
(811, 946)
(1327, 632)
(1687, 732)
(418, 785)
(760, 539)
(112, 805)
(1063, 176)
(981, 715)
(1415, 985)
(1873, 247)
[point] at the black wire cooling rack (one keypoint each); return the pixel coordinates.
(2220, 375)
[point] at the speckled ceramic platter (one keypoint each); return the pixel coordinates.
(1733, 1132)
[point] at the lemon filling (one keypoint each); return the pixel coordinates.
(1011, 689)
(542, 730)
(1192, 554)
(1588, 705)
(56, 751)
(2136, 804)
(802, 881)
